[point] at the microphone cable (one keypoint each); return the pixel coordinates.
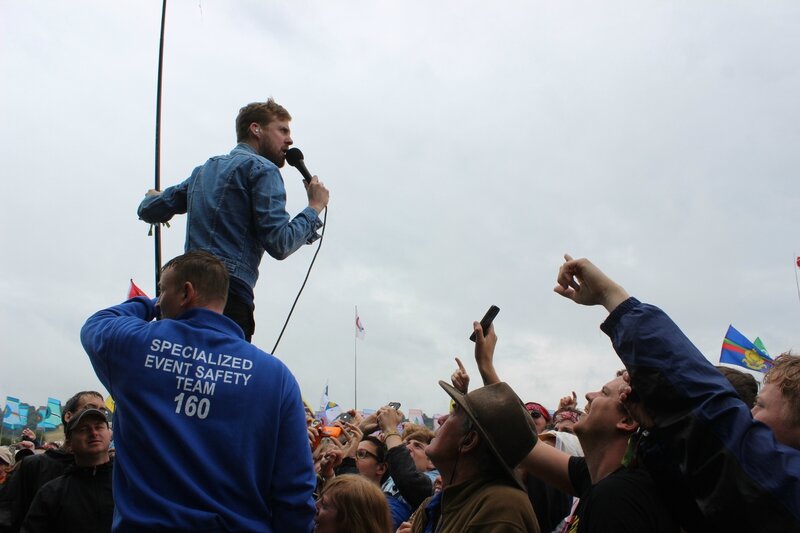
(303, 286)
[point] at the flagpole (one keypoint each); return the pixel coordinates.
(796, 259)
(157, 234)
(355, 360)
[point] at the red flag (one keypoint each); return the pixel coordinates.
(798, 261)
(135, 291)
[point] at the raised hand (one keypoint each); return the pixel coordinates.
(630, 400)
(485, 343)
(460, 378)
(568, 402)
(583, 283)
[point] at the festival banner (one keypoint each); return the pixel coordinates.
(11, 418)
(51, 415)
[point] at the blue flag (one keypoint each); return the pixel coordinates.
(738, 350)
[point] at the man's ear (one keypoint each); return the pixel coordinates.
(382, 468)
(470, 441)
(627, 424)
(255, 130)
(189, 295)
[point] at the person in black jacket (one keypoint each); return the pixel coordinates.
(411, 471)
(80, 500)
(36, 470)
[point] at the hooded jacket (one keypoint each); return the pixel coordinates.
(705, 443)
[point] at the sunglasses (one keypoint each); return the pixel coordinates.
(536, 414)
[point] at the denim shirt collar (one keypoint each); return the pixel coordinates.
(244, 147)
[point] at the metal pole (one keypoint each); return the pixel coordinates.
(158, 143)
(355, 360)
(796, 261)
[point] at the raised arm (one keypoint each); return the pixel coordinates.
(160, 206)
(582, 282)
(413, 485)
(277, 233)
(739, 477)
(484, 353)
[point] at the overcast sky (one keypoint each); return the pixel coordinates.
(467, 145)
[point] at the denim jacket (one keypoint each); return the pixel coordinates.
(237, 209)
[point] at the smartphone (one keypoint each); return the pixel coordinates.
(486, 321)
(345, 417)
(326, 431)
(330, 431)
(394, 405)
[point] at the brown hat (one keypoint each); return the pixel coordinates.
(501, 419)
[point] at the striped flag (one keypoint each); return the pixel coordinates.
(738, 350)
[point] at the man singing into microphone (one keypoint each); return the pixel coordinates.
(236, 205)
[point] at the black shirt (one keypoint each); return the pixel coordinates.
(624, 501)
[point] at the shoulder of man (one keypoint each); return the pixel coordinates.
(499, 507)
(629, 497)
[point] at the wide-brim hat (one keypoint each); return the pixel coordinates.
(501, 419)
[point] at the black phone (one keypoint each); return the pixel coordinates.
(394, 405)
(345, 417)
(486, 321)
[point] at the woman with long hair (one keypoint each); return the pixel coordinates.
(352, 504)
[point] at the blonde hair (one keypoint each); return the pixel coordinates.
(361, 506)
(786, 375)
(417, 432)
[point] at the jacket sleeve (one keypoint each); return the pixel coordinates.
(294, 480)
(106, 331)
(10, 500)
(414, 486)
(162, 207)
(738, 474)
(279, 235)
(41, 514)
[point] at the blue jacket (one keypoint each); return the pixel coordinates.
(237, 209)
(210, 431)
(705, 441)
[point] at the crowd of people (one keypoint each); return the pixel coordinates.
(670, 443)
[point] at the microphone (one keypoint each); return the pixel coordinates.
(295, 158)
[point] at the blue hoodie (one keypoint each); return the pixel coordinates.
(210, 431)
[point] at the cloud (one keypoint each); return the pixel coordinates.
(466, 146)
